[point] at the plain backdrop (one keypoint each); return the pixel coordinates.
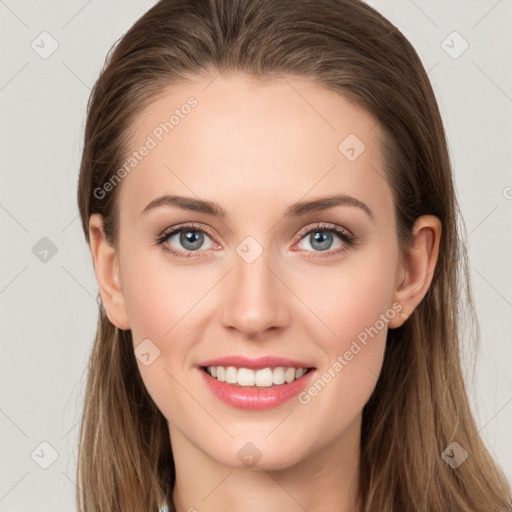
(47, 285)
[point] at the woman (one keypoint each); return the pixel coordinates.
(267, 194)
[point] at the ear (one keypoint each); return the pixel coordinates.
(417, 265)
(106, 267)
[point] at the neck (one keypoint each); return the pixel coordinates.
(324, 480)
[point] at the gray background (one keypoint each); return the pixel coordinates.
(48, 308)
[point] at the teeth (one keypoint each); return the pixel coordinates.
(289, 374)
(278, 375)
(263, 378)
(245, 377)
(299, 372)
(231, 375)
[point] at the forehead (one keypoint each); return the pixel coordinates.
(238, 139)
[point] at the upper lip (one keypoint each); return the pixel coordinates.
(256, 363)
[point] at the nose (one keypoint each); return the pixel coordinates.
(254, 299)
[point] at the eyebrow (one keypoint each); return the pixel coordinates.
(298, 209)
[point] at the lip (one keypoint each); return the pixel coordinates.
(254, 398)
(256, 363)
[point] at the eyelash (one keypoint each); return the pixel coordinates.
(345, 236)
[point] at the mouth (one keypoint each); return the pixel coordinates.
(256, 388)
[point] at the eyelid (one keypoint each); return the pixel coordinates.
(327, 226)
(179, 227)
(350, 239)
(304, 231)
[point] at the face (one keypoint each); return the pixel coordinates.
(267, 284)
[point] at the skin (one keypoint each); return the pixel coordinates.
(255, 149)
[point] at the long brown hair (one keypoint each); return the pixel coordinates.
(420, 404)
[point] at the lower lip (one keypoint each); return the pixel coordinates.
(254, 398)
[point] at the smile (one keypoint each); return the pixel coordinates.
(255, 389)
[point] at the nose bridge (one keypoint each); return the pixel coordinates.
(253, 300)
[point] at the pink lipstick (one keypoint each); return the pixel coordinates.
(256, 384)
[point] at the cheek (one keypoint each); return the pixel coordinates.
(158, 299)
(351, 297)
(157, 296)
(164, 303)
(357, 311)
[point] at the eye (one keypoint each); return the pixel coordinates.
(322, 236)
(190, 237)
